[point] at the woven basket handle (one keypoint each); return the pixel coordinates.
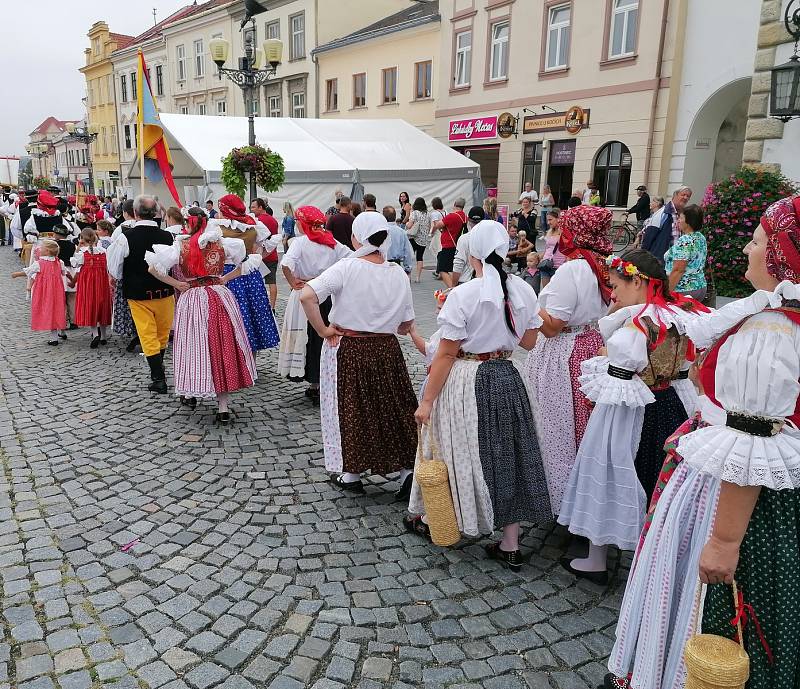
(697, 599)
(420, 442)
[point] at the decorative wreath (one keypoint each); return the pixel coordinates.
(266, 165)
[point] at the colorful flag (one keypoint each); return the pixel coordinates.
(80, 194)
(157, 161)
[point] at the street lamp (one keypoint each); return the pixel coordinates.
(249, 76)
(784, 97)
(85, 135)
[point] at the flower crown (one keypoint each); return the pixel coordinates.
(440, 295)
(625, 268)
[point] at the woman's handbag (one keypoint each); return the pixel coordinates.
(714, 662)
(433, 481)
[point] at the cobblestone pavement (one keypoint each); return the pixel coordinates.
(143, 546)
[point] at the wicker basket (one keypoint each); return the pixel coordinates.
(714, 662)
(433, 481)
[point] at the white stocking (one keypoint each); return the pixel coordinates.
(595, 561)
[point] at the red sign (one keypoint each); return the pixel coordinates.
(473, 128)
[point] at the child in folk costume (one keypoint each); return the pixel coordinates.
(105, 229)
(636, 408)
(311, 252)
(93, 303)
(249, 289)
(123, 320)
(211, 352)
(48, 311)
(479, 406)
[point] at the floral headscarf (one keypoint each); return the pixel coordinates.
(232, 208)
(312, 224)
(781, 222)
(584, 233)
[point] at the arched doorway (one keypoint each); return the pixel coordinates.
(716, 137)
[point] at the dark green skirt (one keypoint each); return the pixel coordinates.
(769, 577)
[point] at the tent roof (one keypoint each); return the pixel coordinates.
(311, 148)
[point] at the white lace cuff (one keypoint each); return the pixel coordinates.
(601, 388)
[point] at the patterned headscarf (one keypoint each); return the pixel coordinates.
(584, 233)
(47, 202)
(781, 222)
(312, 224)
(233, 208)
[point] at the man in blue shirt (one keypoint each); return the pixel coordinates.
(659, 238)
(400, 250)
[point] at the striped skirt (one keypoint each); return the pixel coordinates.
(211, 351)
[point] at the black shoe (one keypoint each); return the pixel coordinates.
(611, 681)
(223, 417)
(512, 559)
(72, 326)
(416, 526)
(132, 345)
(352, 486)
(103, 342)
(404, 491)
(53, 343)
(599, 578)
(95, 342)
(62, 335)
(190, 402)
(158, 386)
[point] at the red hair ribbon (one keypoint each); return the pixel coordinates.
(674, 299)
(745, 612)
(196, 261)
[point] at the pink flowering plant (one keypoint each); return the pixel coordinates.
(267, 166)
(732, 209)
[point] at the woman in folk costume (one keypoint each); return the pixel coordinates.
(312, 251)
(123, 320)
(93, 302)
(573, 301)
(234, 221)
(479, 405)
(211, 352)
(367, 402)
(636, 408)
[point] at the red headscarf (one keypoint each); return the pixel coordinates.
(584, 233)
(312, 223)
(196, 262)
(47, 202)
(233, 208)
(781, 222)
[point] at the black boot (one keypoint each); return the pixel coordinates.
(157, 374)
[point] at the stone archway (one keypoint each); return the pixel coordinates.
(716, 137)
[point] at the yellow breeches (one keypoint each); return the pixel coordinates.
(153, 318)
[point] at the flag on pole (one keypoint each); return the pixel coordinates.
(155, 159)
(80, 195)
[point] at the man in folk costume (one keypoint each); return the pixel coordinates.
(42, 221)
(8, 206)
(21, 216)
(151, 302)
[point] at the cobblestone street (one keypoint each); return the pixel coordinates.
(143, 546)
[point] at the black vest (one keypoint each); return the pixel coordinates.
(137, 282)
(24, 213)
(46, 223)
(66, 250)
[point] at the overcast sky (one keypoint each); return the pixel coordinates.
(44, 51)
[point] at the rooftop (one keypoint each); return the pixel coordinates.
(416, 15)
(182, 13)
(51, 122)
(122, 40)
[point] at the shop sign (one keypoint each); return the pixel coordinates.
(573, 120)
(562, 153)
(473, 128)
(506, 125)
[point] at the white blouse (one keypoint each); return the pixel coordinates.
(480, 326)
(77, 258)
(34, 267)
(164, 257)
(307, 259)
(367, 297)
(572, 295)
(757, 374)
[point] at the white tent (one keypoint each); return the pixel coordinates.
(321, 156)
(9, 170)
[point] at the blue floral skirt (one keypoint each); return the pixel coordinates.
(257, 317)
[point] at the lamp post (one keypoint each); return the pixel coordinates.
(784, 97)
(85, 135)
(249, 76)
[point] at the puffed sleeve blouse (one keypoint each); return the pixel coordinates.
(164, 257)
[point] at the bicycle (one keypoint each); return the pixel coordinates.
(624, 234)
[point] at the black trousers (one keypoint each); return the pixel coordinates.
(314, 345)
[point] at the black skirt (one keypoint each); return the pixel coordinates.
(314, 345)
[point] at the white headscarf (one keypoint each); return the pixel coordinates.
(364, 226)
(484, 238)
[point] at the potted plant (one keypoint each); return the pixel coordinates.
(266, 165)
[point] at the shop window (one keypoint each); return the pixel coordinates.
(532, 164)
(612, 173)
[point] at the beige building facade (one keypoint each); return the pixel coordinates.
(385, 70)
(558, 92)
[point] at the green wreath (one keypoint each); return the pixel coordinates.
(267, 166)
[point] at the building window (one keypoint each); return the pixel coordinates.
(123, 88)
(297, 29)
(180, 52)
(532, 164)
(184, 109)
(201, 108)
(360, 90)
(298, 105)
(625, 16)
(104, 141)
(114, 144)
(558, 31)
(96, 47)
(273, 29)
(159, 80)
(133, 86)
(332, 95)
(127, 134)
(390, 85)
(463, 59)
(612, 173)
(222, 107)
(199, 59)
(498, 64)
(275, 106)
(423, 80)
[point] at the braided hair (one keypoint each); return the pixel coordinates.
(494, 260)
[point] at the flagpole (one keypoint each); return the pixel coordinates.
(140, 120)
